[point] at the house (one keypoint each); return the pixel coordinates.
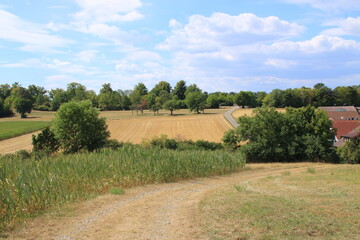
(351, 136)
(346, 121)
(342, 113)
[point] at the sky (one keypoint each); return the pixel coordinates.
(220, 45)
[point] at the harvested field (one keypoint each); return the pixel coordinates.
(210, 127)
(15, 144)
(248, 111)
(128, 127)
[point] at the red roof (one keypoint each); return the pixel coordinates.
(354, 115)
(345, 127)
(339, 109)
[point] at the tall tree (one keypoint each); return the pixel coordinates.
(161, 86)
(180, 90)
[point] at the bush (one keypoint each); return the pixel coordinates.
(45, 141)
(163, 142)
(42, 108)
(113, 144)
(5, 109)
(78, 127)
(350, 152)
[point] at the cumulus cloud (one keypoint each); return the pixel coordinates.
(103, 11)
(349, 26)
(329, 6)
(34, 37)
(223, 30)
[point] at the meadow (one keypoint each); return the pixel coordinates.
(12, 129)
(312, 204)
(30, 186)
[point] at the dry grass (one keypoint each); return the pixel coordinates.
(290, 205)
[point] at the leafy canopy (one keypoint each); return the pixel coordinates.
(78, 127)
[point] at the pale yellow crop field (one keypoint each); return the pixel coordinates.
(248, 111)
(210, 127)
(127, 126)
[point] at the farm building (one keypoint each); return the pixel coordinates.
(342, 113)
(346, 122)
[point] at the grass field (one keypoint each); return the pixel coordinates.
(16, 128)
(29, 186)
(313, 204)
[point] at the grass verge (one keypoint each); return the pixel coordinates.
(324, 205)
(27, 187)
(17, 128)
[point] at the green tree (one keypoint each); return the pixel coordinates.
(5, 109)
(195, 101)
(23, 106)
(302, 134)
(323, 96)
(346, 96)
(77, 126)
(160, 87)
(245, 98)
(45, 141)
(350, 152)
(59, 96)
(172, 105)
(180, 90)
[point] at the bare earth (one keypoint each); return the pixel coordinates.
(163, 211)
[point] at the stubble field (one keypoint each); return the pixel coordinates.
(127, 126)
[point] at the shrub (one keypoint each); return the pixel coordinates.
(78, 127)
(350, 152)
(45, 141)
(113, 144)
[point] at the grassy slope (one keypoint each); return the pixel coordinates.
(311, 205)
(17, 128)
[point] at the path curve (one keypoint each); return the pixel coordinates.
(163, 211)
(229, 117)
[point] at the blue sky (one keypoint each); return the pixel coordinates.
(227, 45)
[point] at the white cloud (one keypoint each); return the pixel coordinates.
(349, 26)
(279, 63)
(34, 37)
(102, 11)
(329, 5)
(223, 30)
(87, 56)
(318, 44)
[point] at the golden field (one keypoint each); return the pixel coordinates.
(127, 126)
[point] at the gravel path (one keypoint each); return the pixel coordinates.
(154, 212)
(230, 118)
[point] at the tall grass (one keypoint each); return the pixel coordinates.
(29, 186)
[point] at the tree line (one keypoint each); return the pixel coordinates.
(164, 96)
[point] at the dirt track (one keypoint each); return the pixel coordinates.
(164, 211)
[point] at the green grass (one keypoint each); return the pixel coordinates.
(27, 187)
(16, 128)
(324, 205)
(116, 191)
